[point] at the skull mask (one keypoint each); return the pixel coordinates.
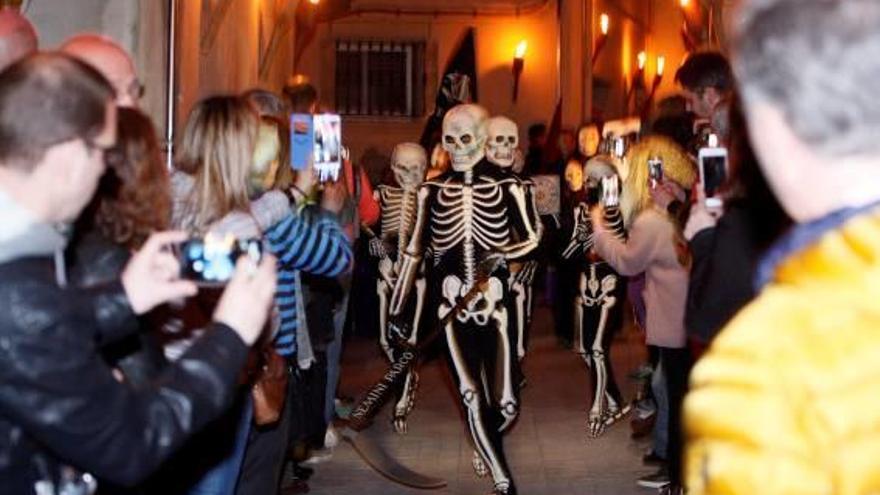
(503, 141)
(409, 163)
(464, 136)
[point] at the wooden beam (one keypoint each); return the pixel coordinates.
(213, 21)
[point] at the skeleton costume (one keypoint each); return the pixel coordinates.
(598, 300)
(466, 216)
(398, 206)
(501, 150)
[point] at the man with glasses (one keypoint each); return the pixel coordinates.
(59, 402)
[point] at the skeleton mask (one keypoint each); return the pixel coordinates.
(588, 140)
(409, 163)
(503, 141)
(598, 168)
(464, 136)
(574, 176)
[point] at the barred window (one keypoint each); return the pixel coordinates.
(380, 78)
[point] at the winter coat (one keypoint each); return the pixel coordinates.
(59, 402)
(786, 400)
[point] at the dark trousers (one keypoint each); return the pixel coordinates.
(266, 449)
(676, 367)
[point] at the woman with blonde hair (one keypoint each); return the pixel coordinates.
(219, 189)
(656, 247)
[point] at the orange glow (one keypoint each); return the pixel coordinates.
(643, 59)
(521, 48)
(685, 3)
(316, 2)
(604, 24)
(661, 65)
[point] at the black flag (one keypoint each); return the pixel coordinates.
(459, 85)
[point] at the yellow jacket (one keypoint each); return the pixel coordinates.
(787, 400)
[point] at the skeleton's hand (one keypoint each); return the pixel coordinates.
(492, 262)
(377, 248)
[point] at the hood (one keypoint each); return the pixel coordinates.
(24, 236)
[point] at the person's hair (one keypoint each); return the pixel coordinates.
(45, 100)
(679, 128)
(266, 103)
(705, 70)
(217, 149)
(134, 196)
(301, 97)
(747, 184)
(537, 130)
(677, 167)
(816, 62)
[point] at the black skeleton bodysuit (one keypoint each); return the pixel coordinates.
(598, 311)
(465, 217)
(398, 207)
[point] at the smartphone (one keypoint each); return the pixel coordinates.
(655, 171)
(713, 173)
(610, 191)
(210, 261)
(302, 139)
(327, 148)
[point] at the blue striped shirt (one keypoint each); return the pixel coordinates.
(312, 242)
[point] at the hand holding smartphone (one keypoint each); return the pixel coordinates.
(210, 261)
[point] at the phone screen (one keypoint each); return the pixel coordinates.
(211, 260)
(655, 171)
(301, 140)
(714, 173)
(327, 146)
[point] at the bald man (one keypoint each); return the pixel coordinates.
(112, 61)
(18, 38)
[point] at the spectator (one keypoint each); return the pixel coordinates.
(18, 38)
(212, 191)
(706, 80)
(784, 386)
(309, 240)
(656, 247)
(50, 164)
(133, 201)
(112, 61)
(727, 245)
(535, 153)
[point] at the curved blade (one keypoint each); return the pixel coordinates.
(387, 466)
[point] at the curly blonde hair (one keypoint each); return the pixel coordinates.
(677, 167)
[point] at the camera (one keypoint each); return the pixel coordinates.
(211, 260)
(713, 173)
(605, 192)
(316, 140)
(655, 171)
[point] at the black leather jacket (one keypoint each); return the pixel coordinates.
(59, 402)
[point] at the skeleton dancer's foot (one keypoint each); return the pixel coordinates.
(504, 488)
(480, 468)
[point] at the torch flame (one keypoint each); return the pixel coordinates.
(604, 23)
(521, 48)
(661, 65)
(643, 59)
